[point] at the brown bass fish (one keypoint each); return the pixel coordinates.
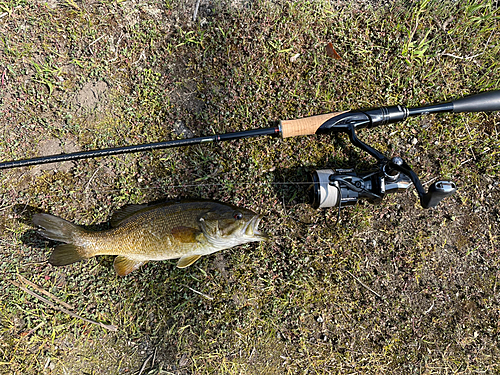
(140, 233)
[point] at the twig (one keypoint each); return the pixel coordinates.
(473, 56)
(142, 56)
(95, 41)
(466, 161)
(428, 182)
(62, 309)
(144, 365)
(9, 12)
(90, 180)
(200, 293)
(4, 76)
(251, 354)
(429, 309)
(195, 14)
(5, 207)
(460, 57)
(364, 285)
(43, 291)
(33, 330)
(116, 48)
(154, 357)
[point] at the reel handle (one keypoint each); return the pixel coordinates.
(437, 192)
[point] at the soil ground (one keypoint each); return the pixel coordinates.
(389, 288)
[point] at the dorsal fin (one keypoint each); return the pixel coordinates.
(124, 213)
(123, 265)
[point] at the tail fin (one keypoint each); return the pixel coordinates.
(57, 229)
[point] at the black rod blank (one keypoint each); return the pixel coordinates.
(138, 148)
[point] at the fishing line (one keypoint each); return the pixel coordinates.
(87, 189)
(209, 185)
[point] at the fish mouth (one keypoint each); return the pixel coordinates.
(251, 229)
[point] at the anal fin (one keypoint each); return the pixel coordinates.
(186, 261)
(123, 265)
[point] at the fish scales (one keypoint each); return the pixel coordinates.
(185, 230)
(149, 235)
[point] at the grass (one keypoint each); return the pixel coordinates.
(391, 289)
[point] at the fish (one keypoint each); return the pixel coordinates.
(139, 233)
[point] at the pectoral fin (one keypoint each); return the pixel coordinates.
(123, 265)
(185, 234)
(186, 261)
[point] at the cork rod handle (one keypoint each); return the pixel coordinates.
(304, 126)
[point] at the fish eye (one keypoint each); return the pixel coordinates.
(238, 215)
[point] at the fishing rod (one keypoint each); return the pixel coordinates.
(329, 188)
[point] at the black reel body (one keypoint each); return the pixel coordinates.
(344, 187)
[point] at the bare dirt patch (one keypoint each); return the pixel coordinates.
(53, 146)
(92, 97)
